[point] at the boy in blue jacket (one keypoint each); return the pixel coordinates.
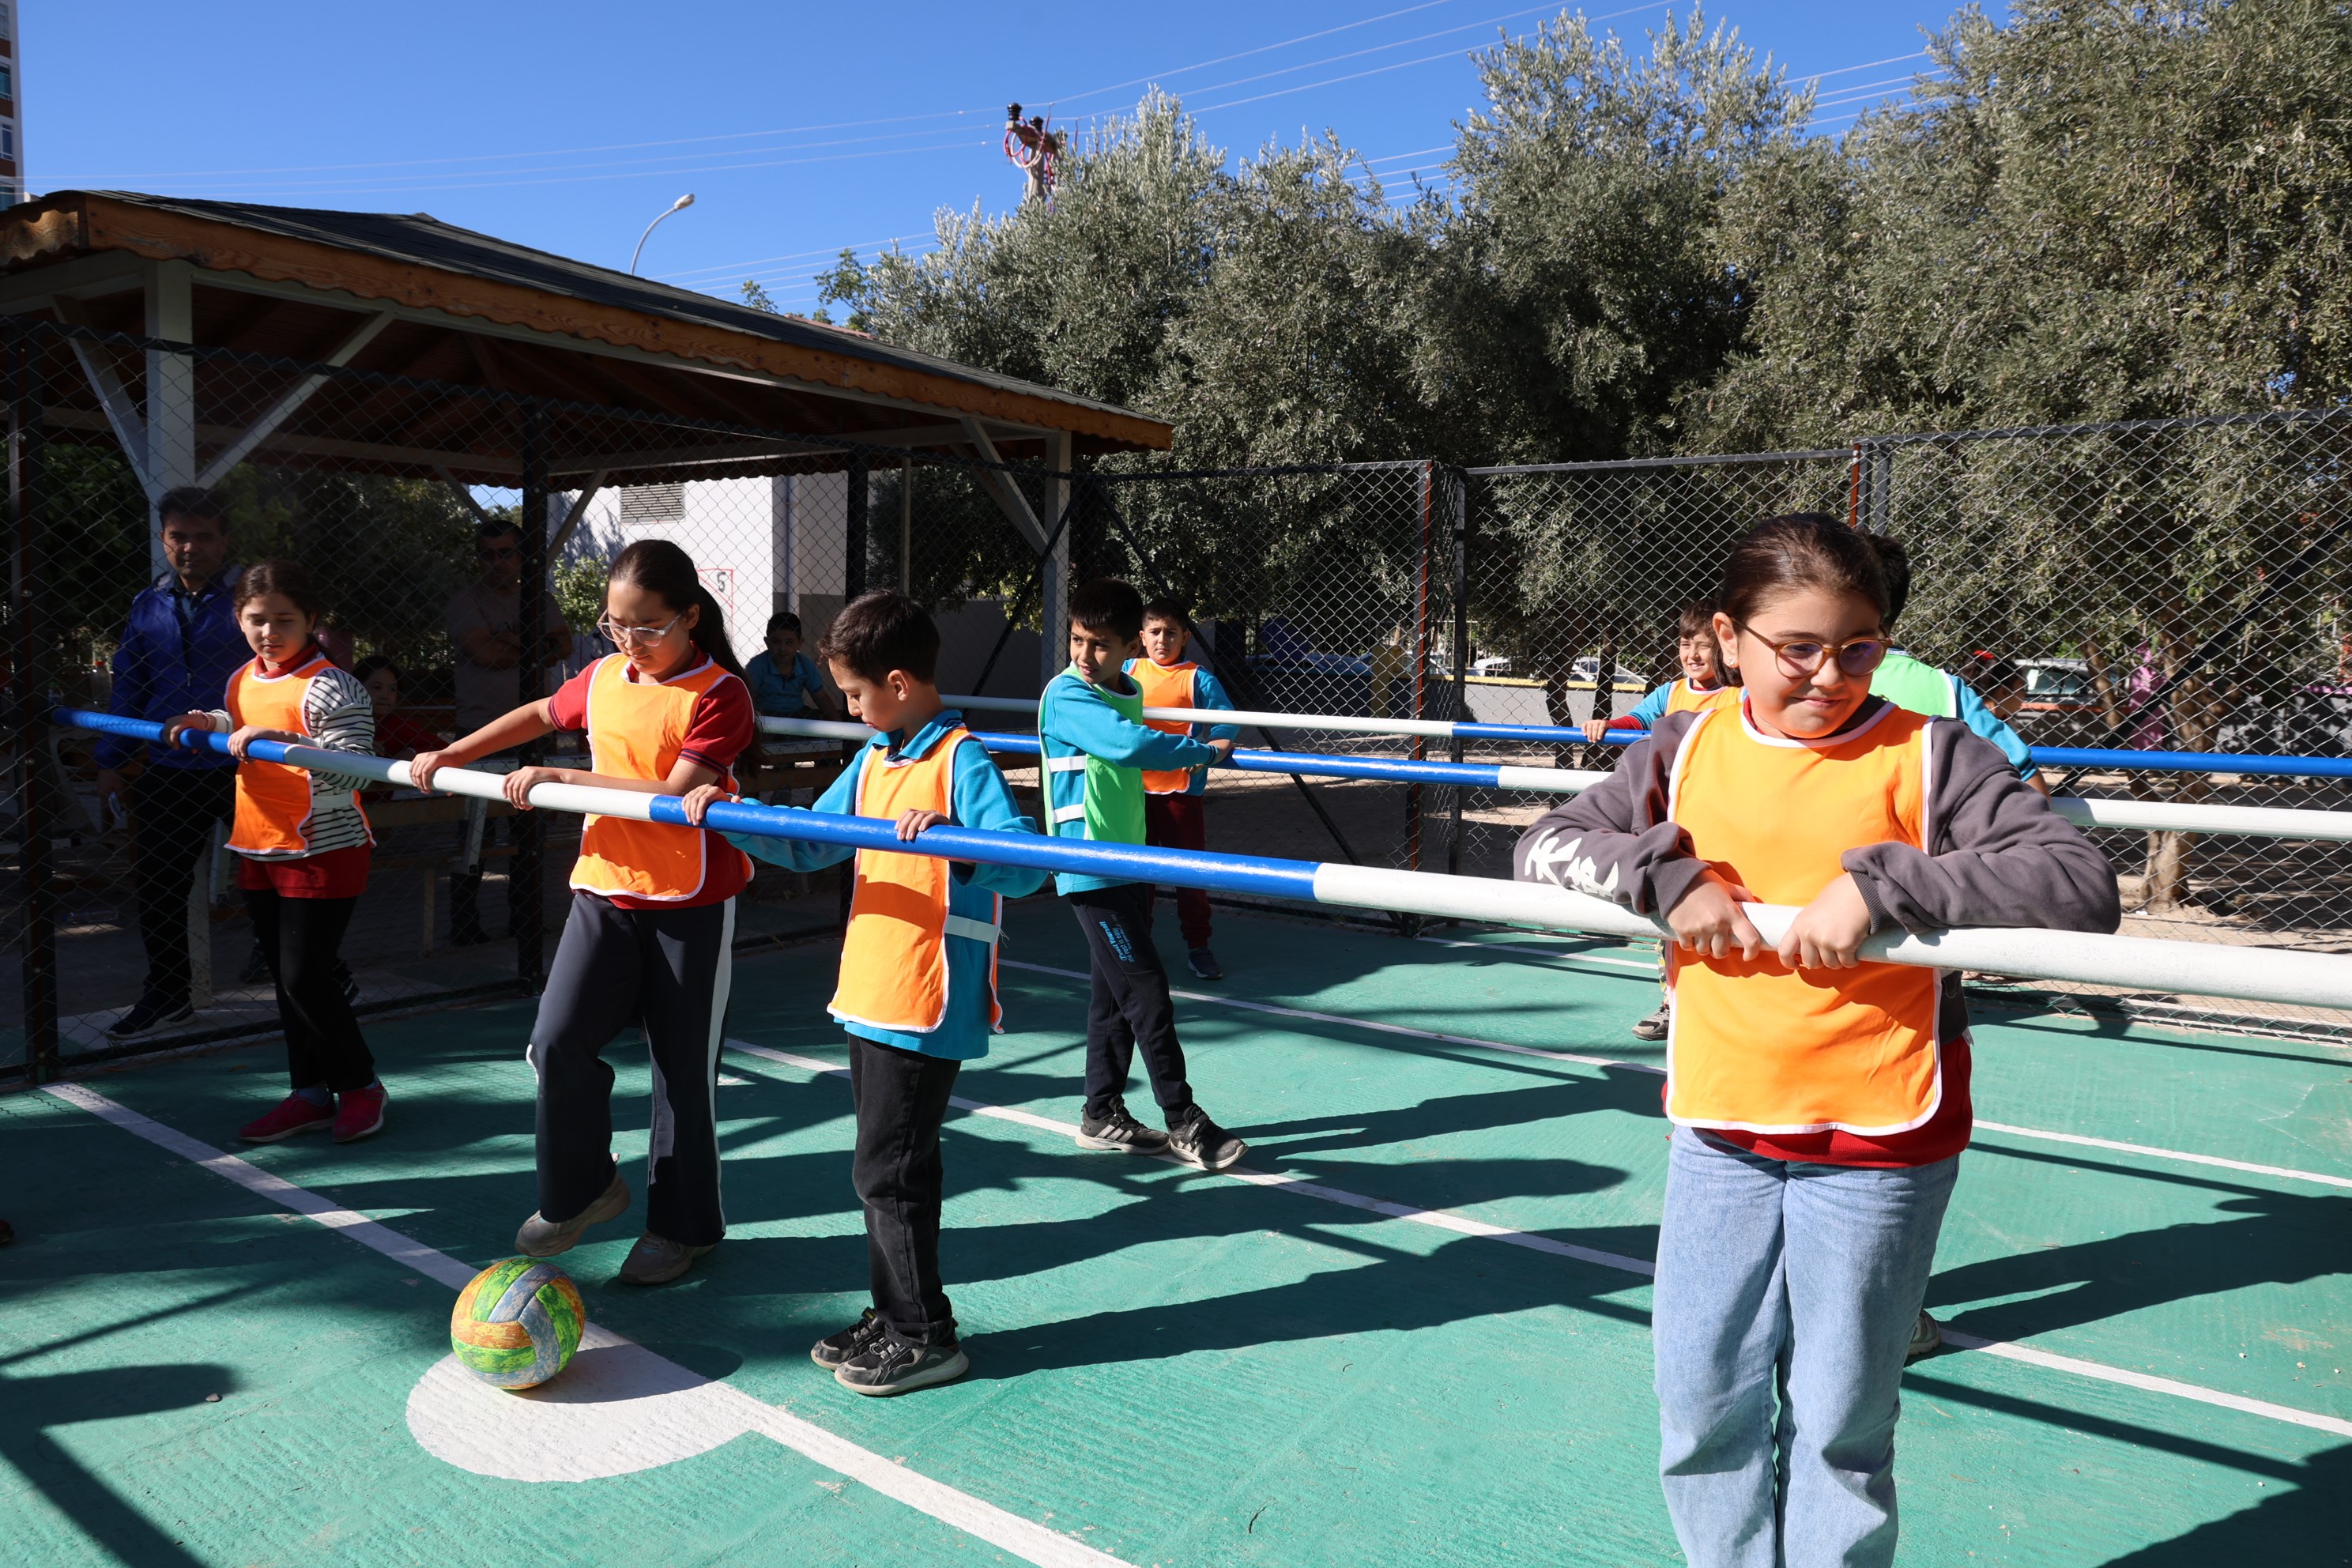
(1095, 747)
(918, 988)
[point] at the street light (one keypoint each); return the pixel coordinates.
(678, 205)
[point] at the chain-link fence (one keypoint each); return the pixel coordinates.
(458, 538)
(2161, 584)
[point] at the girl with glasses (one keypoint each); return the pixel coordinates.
(649, 938)
(1820, 1100)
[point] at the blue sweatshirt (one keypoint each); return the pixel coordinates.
(1074, 721)
(980, 798)
(1207, 692)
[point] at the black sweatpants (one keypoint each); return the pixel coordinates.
(1129, 1005)
(172, 811)
(902, 1098)
(666, 971)
(302, 939)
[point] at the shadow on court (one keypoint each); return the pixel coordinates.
(2280, 1238)
(31, 1408)
(2307, 1521)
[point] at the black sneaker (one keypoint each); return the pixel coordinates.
(1655, 1026)
(148, 1013)
(1120, 1133)
(1204, 963)
(1197, 1140)
(835, 1350)
(893, 1365)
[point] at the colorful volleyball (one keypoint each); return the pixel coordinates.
(517, 1323)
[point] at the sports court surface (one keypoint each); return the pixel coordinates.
(1411, 1329)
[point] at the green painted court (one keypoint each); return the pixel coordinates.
(1410, 1329)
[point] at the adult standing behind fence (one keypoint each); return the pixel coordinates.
(485, 622)
(178, 649)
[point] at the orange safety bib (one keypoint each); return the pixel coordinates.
(635, 730)
(894, 956)
(1165, 686)
(273, 801)
(1760, 1047)
(1688, 698)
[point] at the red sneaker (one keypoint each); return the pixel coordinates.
(294, 1114)
(359, 1113)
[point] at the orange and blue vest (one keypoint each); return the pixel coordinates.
(1757, 1047)
(636, 730)
(894, 955)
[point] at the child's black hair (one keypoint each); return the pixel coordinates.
(1896, 563)
(666, 572)
(375, 662)
(882, 631)
(287, 579)
(1167, 610)
(1108, 604)
(787, 621)
(1800, 551)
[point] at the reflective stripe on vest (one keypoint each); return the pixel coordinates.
(1165, 686)
(636, 729)
(273, 801)
(1757, 1047)
(894, 957)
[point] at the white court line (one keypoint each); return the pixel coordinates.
(1025, 1539)
(1280, 1180)
(2008, 1351)
(2146, 1150)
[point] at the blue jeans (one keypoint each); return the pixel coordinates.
(1785, 1300)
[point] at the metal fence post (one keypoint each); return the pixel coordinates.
(1420, 671)
(1460, 483)
(526, 873)
(35, 807)
(854, 546)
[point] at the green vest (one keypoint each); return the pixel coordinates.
(1114, 794)
(1915, 687)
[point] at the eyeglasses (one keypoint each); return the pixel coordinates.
(636, 636)
(1805, 657)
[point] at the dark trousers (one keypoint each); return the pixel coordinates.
(665, 971)
(1180, 822)
(173, 813)
(302, 940)
(1129, 1005)
(902, 1098)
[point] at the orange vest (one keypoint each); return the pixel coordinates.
(894, 956)
(1688, 700)
(1760, 1047)
(635, 730)
(1165, 686)
(273, 801)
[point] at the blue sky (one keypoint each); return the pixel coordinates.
(799, 128)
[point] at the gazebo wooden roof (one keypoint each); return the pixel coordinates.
(408, 296)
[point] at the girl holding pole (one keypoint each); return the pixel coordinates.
(649, 938)
(1819, 1101)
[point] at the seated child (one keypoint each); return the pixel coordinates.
(786, 682)
(917, 989)
(1095, 746)
(1175, 808)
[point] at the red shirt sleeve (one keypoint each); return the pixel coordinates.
(569, 707)
(721, 728)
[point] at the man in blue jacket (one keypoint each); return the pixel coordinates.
(178, 649)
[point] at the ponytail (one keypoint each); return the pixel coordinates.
(662, 568)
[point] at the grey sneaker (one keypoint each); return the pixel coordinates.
(1120, 1133)
(889, 1364)
(657, 1261)
(1927, 1339)
(543, 1238)
(1655, 1026)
